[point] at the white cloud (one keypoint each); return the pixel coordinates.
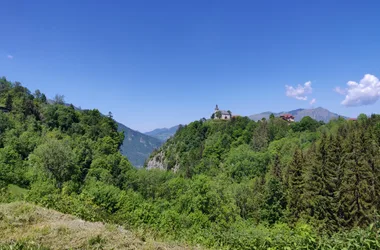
(366, 92)
(313, 101)
(300, 92)
(341, 91)
(10, 57)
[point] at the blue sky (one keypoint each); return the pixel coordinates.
(159, 63)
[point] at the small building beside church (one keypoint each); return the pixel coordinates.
(221, 114)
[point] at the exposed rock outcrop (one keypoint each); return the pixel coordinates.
(157, 162)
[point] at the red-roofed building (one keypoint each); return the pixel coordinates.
(287, 117)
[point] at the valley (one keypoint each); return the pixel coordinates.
(219, 184)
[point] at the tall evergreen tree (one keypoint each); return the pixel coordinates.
(295, 185)
(356, 192)
(336, 163)
(320, 185)
(313, 182)
(372, 156)
(43, 98)
(276, 169)
(274, 198)
(9, 102)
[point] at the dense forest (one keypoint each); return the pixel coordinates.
(235, 184)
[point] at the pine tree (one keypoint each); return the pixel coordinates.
(9, 102)
(320, 185)
(274, 198)
(356, 191)
(336, 163)
(313, 183)
(372, 156)
(295, 185)
(276, 169)
(43, 98)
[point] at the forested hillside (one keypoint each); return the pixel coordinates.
(137, 146)
(325, 176)
(237, 184)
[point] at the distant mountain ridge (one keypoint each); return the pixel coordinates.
(137, 146)
(319, 114)
(163, 134)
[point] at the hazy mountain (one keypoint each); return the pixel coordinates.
(319, 114)
(260, 116)
(163, 133)
(137, 146)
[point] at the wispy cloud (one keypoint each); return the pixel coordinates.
(341, 91)
(300, 92)
(313, 101)
(10, 57)
(366, 92)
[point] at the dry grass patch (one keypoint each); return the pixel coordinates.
(30, 224)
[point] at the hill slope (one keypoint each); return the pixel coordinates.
(319, 114)
(44, 229)
(137, 146)
(237, 183)
(163, 134)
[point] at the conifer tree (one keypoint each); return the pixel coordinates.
(43, 98)
(9, 102)
(295, 185)
(336, 163)
(276, 169)
(313, 183)
(356, 192)
(274, 198)
(371, 153)
(320, 185)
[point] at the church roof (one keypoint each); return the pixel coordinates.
(224, 112)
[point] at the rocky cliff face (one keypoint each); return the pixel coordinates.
(158, 162)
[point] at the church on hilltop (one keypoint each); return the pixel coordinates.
(221, 114)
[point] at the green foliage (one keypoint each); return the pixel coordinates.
(235, 184)
(243, 163)
(56, 158)
(306, 124)
(11, 167)
(22, 245)
(295, 185)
